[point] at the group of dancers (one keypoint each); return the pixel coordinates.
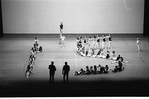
(93, 46)
(31, 63)
(89, 45)
(103, 69)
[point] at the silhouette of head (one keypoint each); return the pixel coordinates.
(87, 67)
(52, 62)
(65, 63)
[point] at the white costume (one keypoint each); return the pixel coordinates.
(63, 40)
(138, 45)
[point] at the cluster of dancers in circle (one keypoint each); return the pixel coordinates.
(94, 47)
(31, 63)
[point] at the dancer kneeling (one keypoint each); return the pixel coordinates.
(121, 59)
(28, 71)
(80, 72)
(36, 48)
(118, 67)
(80, 51)
(100, 54)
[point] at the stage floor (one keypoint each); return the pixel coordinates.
(14, 56)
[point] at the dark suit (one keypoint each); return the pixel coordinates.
(65, 71)
(52, 70)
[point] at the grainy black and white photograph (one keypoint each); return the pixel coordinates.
(74, 48)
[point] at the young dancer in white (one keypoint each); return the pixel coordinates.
(61, 32)
(63, 40)
(138, 45)
(110, 42)
(104, 42)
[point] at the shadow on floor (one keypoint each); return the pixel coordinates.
(76, 88)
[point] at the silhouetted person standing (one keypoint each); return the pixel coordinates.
(65, 72)
(52, 70)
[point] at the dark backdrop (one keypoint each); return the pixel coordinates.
(1, 27)
(145, 19)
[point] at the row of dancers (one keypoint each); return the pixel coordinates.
(101, 69)
(31, 63)
(95, 42)
(92, 42)
(94, 46)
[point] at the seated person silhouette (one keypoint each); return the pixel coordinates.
(95, 69)
(113, 56)
(87, 70)
(102, 69)
(117, 59)
(99, 69)
(27, 73)
(80, 72)
(118, 67)
(108, 55)
(106, 69)
(91, 70)
(40, 49)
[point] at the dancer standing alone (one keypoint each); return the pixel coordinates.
(138, 45)
(61, 32)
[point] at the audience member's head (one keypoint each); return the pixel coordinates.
(87, 67)
(52, 62)
(65, 63)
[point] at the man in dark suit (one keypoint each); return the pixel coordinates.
(52, 70)
(65, 72)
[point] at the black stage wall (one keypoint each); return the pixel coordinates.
(1, 26)
(145, 19)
